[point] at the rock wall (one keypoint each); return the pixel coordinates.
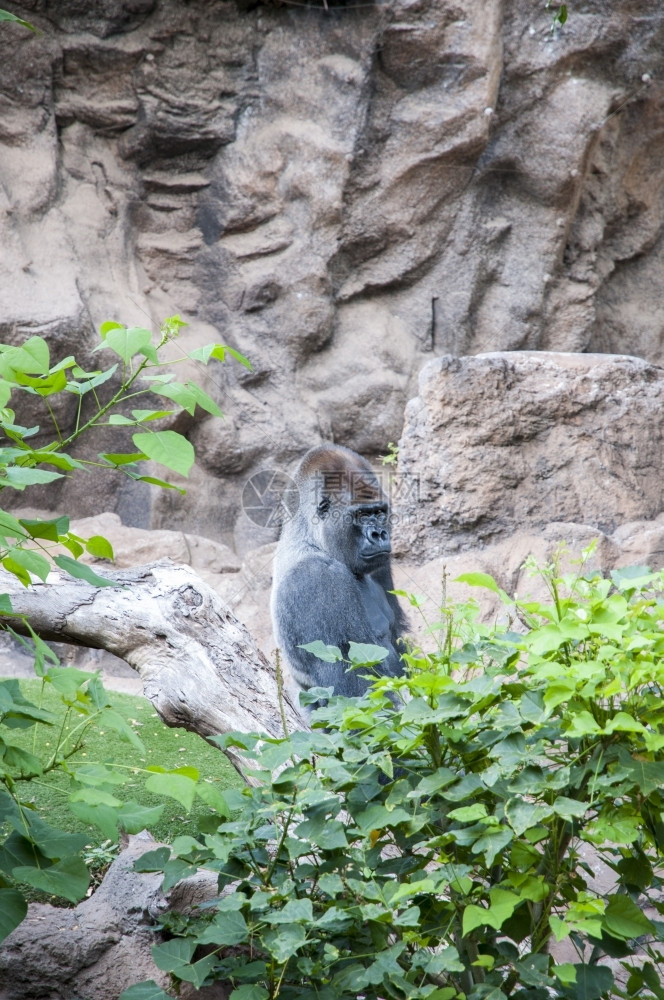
(497, 444)
(337, 193)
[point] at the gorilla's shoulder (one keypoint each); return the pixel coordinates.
(319, 568)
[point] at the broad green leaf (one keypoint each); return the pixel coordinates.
(248, 992)
(623, 722)
(157, 482)
(174, 784)
(68, 362)
(492, 843)
(126, 732)
(9, 811)
(10, 527)
(14, 705)
(486, 581)
(172, 956)
(296, 911)
(21, 760)
(95, 797)
(330, 654)
(283, 942)
(17, 570)
(227, 928)
(20, 476)
(468, 814)
(92, 380)
(53, 843)
(522, 815)
(31, 358)
(109, 325)
(213, 798)
(205, 353)
(364, 654)
(198, 972)
(122, 459)
(72, 543)
(239, 357)
(82, 572)
(103, 817)
(67, 681)
(168, 448)
(147, 990)
(133, 817)
(648, 775)
(68, 878)
(144, 416)
(13, 907)
(99, 547)
(51, 530)
(376, 817)
(476, 916)
(441, 778)
(479, 580)
(203, 400)
(592, 981)
(624, 919)
(569, 808)
(119, 420)
(5, 605)
(219, 352)
(566, 973)
(153, 861)
(31, 561)
(43, 385)
(178, 392)
(583, 724)
(126, 341)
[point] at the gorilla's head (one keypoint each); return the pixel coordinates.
(346, 510)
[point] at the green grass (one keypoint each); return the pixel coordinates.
(170, 748)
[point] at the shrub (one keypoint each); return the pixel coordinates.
(34, 852)
(430, 845)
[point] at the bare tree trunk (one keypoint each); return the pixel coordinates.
(199, 666)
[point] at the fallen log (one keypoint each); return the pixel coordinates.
(199, 665)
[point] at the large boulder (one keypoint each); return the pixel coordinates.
(506, 442)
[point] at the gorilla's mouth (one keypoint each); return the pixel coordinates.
(377, 555)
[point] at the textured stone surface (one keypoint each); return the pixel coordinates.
(95, 950)
(334, 193)
(506, 442)
(102, 946)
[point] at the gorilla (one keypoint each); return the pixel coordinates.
(332, 573)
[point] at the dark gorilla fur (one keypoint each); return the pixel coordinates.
(332, 573)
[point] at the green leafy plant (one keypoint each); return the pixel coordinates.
(559, 15)
(392, 456)
(34, 852)
(5, 15)
(438, 838)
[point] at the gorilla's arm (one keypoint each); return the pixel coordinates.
(321, 599)
(399, 627)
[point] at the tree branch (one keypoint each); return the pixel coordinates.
(199, 666)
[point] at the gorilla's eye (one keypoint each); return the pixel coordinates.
(324, 505)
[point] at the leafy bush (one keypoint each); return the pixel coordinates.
(35, 852)
(430, 845)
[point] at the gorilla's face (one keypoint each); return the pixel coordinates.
(358, 535)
